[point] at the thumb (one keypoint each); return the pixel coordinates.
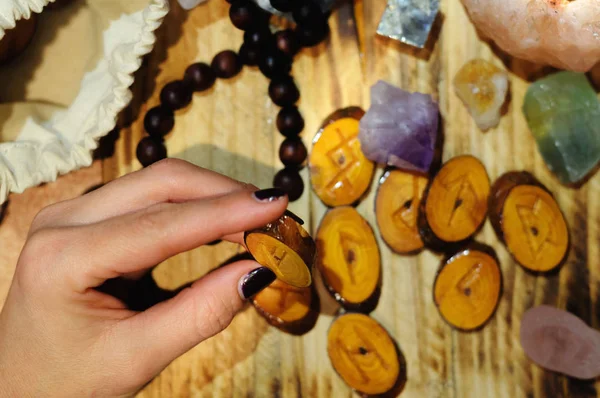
(171, 328)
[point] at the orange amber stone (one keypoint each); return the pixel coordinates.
(467, 288)
(363, 354)
(397, 209)
(339, 172)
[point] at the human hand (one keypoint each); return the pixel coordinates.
(60, 336)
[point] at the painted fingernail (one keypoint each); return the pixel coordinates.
(255, 281)
(294, 217)
(268, 195)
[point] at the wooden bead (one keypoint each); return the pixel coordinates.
(159, 121)
(290, 181)
(274, 63)
(348, 259)
(150, 150)
(226, 64)
(176, 95)
(286, 41)
(259, 36)
(243, 14)
(283, 5)
(283, 91)
(249, 54)
(313, 34)
(307, 12)
(292, 152)
(455, 204)
(200, 76)
(289, 121)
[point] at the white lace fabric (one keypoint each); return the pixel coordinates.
(48, 147)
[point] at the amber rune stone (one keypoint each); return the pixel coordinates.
(528, 220)
(285, 248)
(363, 354)
(348, 259)
(291, 309)
(467, 287)
(397, 209)
(455, 203)
(340, 173)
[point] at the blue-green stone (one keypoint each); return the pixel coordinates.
(563, 113)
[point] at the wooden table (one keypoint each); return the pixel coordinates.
(231, 129)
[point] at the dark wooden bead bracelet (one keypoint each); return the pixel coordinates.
(273, 53)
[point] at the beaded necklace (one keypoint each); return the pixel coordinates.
(273, 53)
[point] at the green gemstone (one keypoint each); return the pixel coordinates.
(563, 113)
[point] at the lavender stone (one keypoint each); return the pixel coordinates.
(400, 128)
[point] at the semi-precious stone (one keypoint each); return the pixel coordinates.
(563, 113)
(400, 128)
(409, 21)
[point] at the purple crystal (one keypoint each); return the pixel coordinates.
(400, 129)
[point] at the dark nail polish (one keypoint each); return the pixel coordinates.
(269, 195)
(255, 281)
(294, 217)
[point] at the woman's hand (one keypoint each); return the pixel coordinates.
(61, 337)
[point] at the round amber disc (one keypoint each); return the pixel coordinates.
(339, 172)
(363, 354)
(284, 303)
(534, 228)
(456, 203)
(348, 255)
(397, 209)
(467, 289)
(284, 261)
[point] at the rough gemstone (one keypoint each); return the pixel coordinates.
(409, 21)
(400, 128)
(482, 87)
(563, 113)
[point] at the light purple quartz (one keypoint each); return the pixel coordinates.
(400, 128)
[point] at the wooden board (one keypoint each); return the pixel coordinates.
(231, 129)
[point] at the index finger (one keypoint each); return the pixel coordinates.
(168, 181)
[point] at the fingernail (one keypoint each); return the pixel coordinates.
(294, 217)
(268, 195)
(255, 281)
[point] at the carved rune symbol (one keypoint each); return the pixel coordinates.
(462, 195)
(349, 244)
(278, 254)
(470, 279)
(344, 159)
(365, 347)
(406, 214)
(285, 290)
(536, 228)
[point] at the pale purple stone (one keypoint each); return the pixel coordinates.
(400, 128)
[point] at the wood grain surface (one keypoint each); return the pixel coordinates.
(231, 129)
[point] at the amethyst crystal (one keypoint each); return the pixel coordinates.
(400, 129)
